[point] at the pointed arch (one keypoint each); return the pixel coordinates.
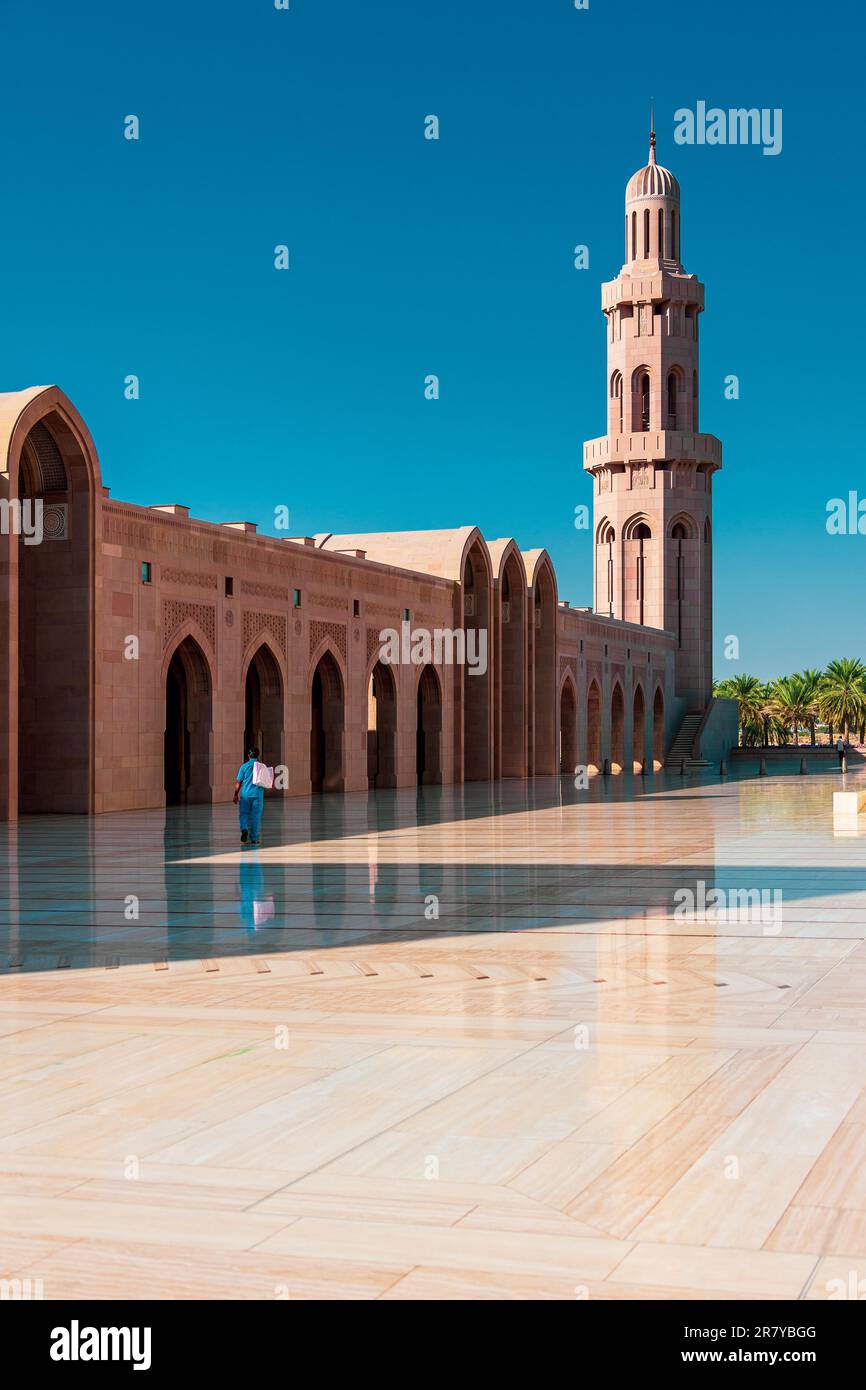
(188, 683)
(638, 725)
(641, 399)
(543, 604)
(616, 403)
(593, 727)
(510, 660)
(263, 683)
(189, 629)
(428, 727)
(567, 726)
(327, 698)
(688, 525)
(605, 568)
(635, 527)
(676, 402)
(658, 728)
(637, 557)
(381, 700)
(49, 598)
(617, 728)
(476, 579)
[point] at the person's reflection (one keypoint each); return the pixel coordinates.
(257, 905)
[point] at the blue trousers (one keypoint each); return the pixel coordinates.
(250, 813)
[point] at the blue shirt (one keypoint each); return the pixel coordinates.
(245, 775)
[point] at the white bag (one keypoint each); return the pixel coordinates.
(263, 776)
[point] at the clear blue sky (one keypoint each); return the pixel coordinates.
(409, 257)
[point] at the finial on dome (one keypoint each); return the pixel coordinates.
(652, 152)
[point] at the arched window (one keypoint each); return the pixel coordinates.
(606, 538)
(645, 402)
(678, 535)
(616, 397)
(674, 236)
(672, 401)
(646, 227)
(661, 233)
(641, 534)
(695, 396)
(633, 235)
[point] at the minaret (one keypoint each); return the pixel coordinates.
(653, 471)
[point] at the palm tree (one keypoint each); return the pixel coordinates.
(771, 725)
(811, 691)
(789, 704)
(842, 700)
(748, 693)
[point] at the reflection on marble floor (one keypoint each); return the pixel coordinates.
(473, 1042)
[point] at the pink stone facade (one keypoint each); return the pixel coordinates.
(653, 471)
(142, 650)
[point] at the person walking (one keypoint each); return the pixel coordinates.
(249, 800)
(840, 749)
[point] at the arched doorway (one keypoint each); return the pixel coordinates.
(428, 735)
(544, 758)
(476, 681)
(593, 728)
(638, 743)
(326, 727)
(54, 638)
(617, 729)
(188, 727)
(381, 727)
(263, 707)
(511, 744)
(567, 730)
(658, 729)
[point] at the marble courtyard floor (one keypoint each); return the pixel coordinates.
(279, 1073)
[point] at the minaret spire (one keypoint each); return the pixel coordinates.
(652, 152)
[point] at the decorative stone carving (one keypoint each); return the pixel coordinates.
(336, 631)
(253, 589)
(272, 623)
(373, 642)
(329, 601)
(55, 521)
(189, 578)
(175, 612)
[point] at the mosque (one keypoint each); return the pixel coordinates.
(142, 650)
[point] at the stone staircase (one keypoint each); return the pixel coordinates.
(683, 742)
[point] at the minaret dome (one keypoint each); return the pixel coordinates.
(652, 214)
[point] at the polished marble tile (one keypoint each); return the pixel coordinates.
(456, 1044)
